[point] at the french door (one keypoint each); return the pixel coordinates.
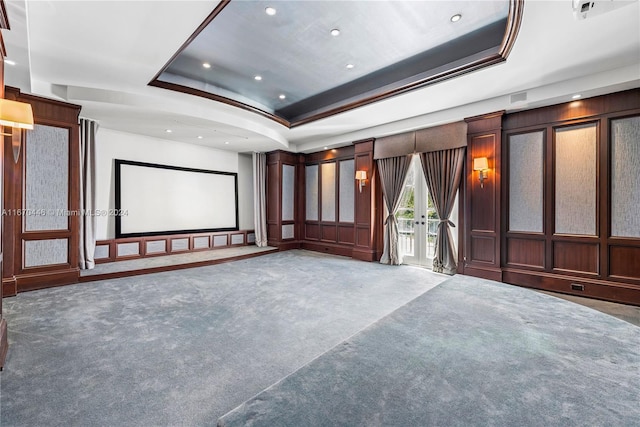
(418, 219)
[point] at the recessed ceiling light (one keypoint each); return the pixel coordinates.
(270, 11)
(199, 136)
(576, 96)
(168, 130)
(9, 62)
(226, 143)
(206, 65)
(283, 96)
(326, 148)
(350, 66)
(258, 78)
(456, 17)
(335, 32)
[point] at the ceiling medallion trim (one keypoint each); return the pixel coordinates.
(514, 20)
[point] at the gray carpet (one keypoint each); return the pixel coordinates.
(184, 347)
(470, 352)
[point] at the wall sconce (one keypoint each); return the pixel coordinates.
(481, 164)
(17, 115)
(361, 176)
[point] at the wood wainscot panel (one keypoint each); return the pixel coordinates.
(483, 199)
(312, 231)
(624, 262)
(483, 249)
(363, 236)
(43, 280)
(273, 191)
(329, 233)
(346, 234)
(576, 257)
(524, 252)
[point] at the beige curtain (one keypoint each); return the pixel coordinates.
(88, 130)
(443, 172)
(393, 172)
(260, 198)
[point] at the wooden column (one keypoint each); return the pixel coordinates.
(368, 213)
(19, 273)
(277, 227)
(4, 344)
(481, 253)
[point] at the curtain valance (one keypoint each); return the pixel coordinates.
(436, 138)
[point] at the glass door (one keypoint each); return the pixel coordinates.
(417, 219)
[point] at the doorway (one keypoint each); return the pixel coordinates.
(418, 219)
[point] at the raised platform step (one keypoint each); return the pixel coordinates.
(113, 270)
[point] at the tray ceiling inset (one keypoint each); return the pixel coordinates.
(293, 68)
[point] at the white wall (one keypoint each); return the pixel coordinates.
(245, 192)
(111, 145)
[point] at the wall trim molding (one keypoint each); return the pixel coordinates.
(173, 244)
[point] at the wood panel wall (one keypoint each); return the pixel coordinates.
(359, 239)
(4, 24)
(481, 208)
(17, 277)
(599, 266)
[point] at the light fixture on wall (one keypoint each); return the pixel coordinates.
(361, 176)
(481, 164)
(17, 115)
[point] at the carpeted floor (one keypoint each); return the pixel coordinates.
(470, 352)
(184, 347)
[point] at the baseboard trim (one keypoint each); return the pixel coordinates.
(49, 279)
(369, 255)
(328, 248)
(591, 288)
(9, 287)
(119, 274)
(489, 273)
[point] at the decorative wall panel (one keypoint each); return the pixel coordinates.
(288, 188)
(220, 240)
(575, 177)
(200, 242)
(156, 246)
(625, 177)
(101, 252)
(237, 239)
(347, 187)
(179, 244)
(311, 193)
(288, 231)
(127, 249)
(47, 179)
(526, 184)
(251, 237)
(328, 195)
(45, 252)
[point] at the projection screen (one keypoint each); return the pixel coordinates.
(159, 199)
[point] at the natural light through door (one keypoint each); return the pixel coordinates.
(418, 219)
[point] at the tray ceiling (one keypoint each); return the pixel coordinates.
(290, 66)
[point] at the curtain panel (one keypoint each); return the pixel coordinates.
(443, 172)
(393, 172)
(88, 131)
(260, 198)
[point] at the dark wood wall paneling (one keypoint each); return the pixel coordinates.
(16, 277)
(4, 24)
(275, 161)
(328, 236)
(481, 208)
(358, 239)
(597, 266)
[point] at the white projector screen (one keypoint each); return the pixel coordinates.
(158, 199)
